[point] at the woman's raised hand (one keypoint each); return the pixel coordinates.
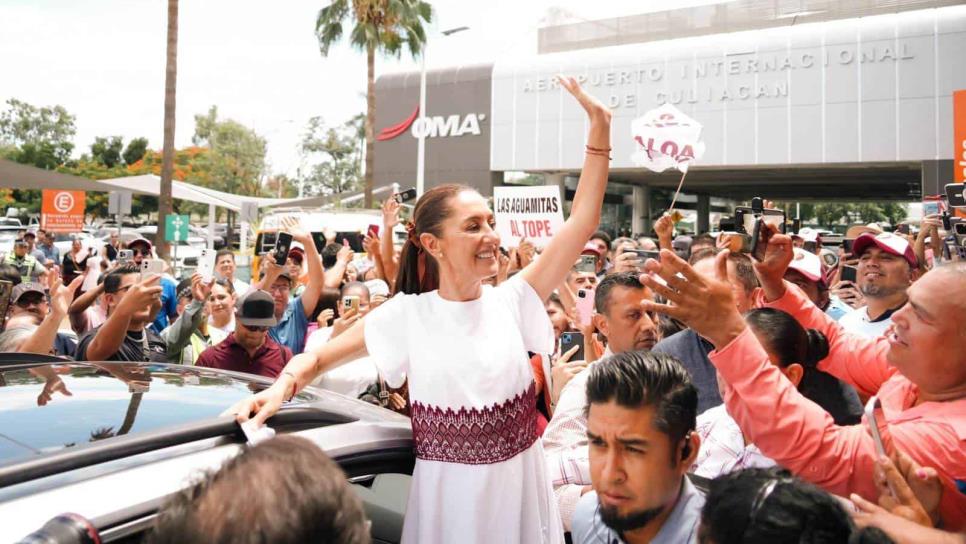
(594, 108)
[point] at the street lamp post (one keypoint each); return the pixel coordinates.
(421, 149)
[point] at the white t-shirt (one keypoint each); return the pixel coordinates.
(480, 472)
(227, 329)
(858, 322)
(350, 379)
(240, 287)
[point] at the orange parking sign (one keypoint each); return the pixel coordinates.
(62, 211)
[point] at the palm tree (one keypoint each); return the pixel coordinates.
(383, 25)
(167, 152)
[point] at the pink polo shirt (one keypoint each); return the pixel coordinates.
(801, 436)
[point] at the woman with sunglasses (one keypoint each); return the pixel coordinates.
(480, 473)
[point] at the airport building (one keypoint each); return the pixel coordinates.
(829, 101)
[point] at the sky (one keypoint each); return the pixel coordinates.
(259, 62)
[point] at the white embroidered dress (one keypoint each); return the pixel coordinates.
(480, 472)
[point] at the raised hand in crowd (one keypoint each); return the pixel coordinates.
(563, 370)
(909, 497)
(664, 227)
(848, 293)
(335, 276)
(705, 304)
(387, 253)
(525, 253)
(503, 268)
(928, 228)
(626, 262)
(199, 288)
(345, 321)
(325, 316)
(42, 341)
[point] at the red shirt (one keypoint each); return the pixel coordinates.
(269, 360)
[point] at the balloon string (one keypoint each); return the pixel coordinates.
(678, 192)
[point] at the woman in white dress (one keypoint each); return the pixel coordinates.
(480, 472)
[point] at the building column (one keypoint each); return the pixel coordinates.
(641, 210)
(560, 180)
(704, 214)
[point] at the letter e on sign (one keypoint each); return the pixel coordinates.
(62, 211)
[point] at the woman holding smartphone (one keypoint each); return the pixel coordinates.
(464, 348)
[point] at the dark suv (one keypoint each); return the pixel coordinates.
(110, 441)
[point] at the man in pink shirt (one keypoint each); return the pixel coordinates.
(918, 371)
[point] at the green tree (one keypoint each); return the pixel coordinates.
(107, 151)
(832, 213)
(135, 150)
(334, 157)
(236, 161)
(39, 136)
(386, 26)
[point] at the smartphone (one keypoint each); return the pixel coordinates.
(151, 267)
(872, 420)
(405, 196)
(570, 339)
(745, 219)
(847, 245)
(849, 273)
(735, 242)
(585, 306)
(796, 225)
(93, 273)
(125, 256)
(643, 255)
(350, 302)
(206, 265)
(373, 231)
(760, 234)
(932, 205)
(587, 264)
(959, 231)
(956, 195)
(283, 243)
(903, 228)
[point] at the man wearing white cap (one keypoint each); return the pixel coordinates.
(806, 272)
(806, 238)
(887, 267)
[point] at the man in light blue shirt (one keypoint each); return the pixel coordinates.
(641, 415)
(292, 313)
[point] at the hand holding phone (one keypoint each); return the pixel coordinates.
(585, 306)
(570, 339)
(206, 265)
(350, 302)
(283, 244)
(405, 196)
(587, 264)
(151, 268)
(849, 274)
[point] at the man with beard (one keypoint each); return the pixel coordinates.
(641, 413)
(887, 267)
(619, 319)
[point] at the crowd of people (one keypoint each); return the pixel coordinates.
(700, 395)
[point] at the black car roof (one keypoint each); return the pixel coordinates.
(49, 408)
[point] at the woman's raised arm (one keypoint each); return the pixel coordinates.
(547, 272)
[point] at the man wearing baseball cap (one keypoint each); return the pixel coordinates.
(25, 263)
(887, 267)
(806, 271)
(250, 348)
(594, 250)
(142, 249)
(29, 306)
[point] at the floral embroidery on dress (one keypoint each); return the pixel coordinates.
(475, 436)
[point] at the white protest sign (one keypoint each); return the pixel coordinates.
(534, 213)
(666, 138)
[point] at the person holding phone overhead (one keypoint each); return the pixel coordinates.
(480, 473)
